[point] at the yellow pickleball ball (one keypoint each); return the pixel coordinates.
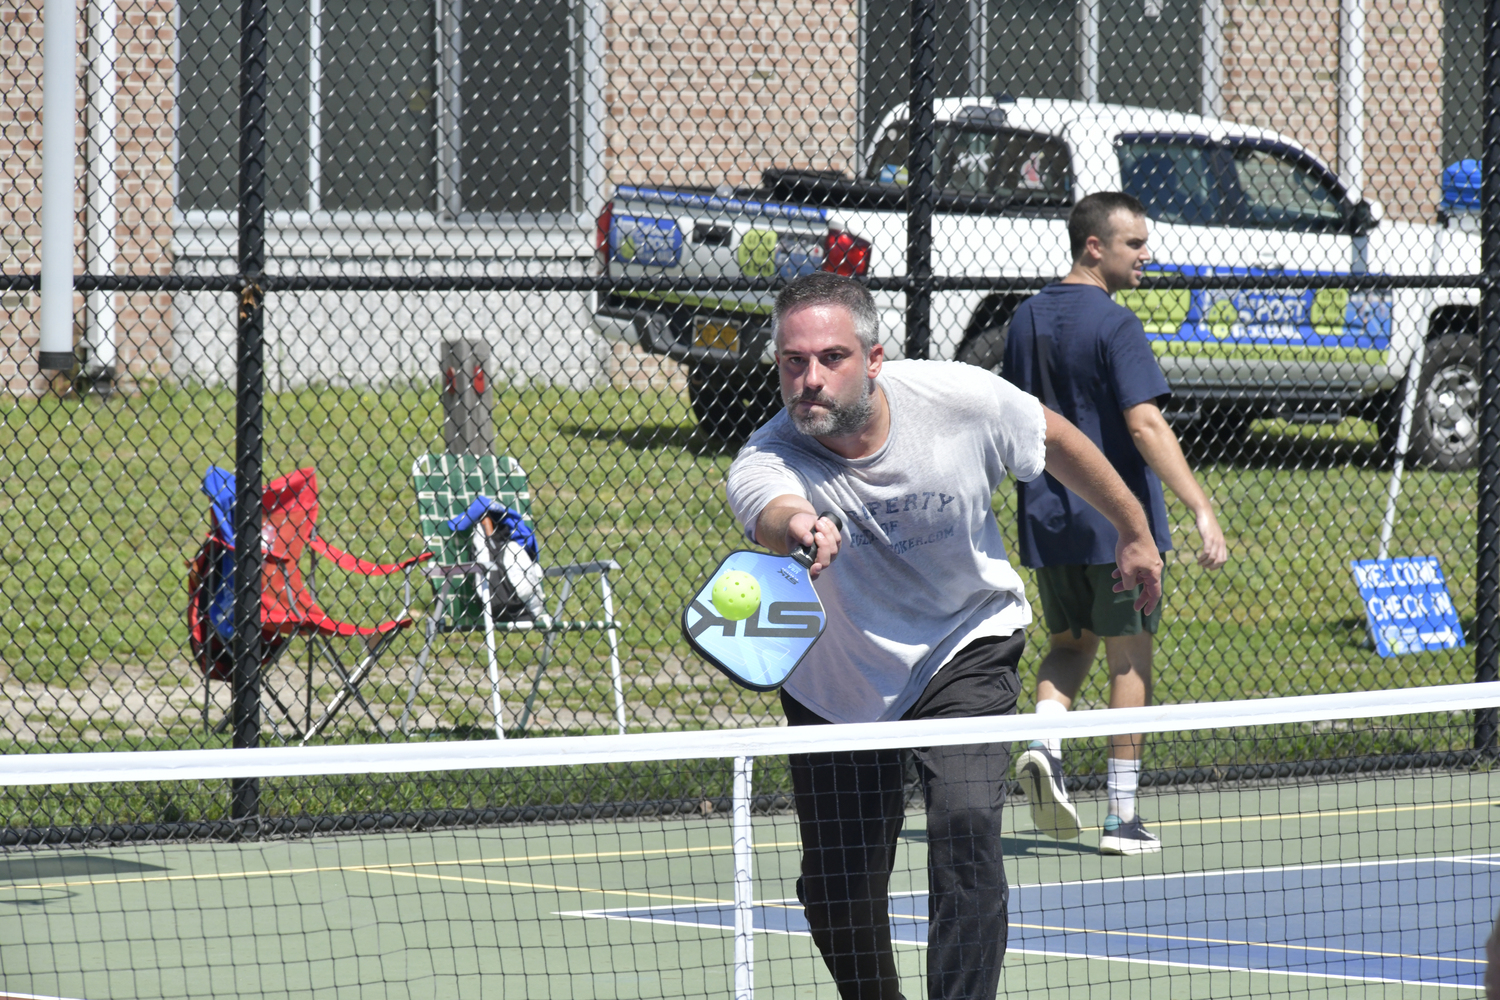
(736, 595)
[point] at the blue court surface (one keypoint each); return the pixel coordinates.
(1418, 921)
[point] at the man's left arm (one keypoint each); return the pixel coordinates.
(1074, 461)
(1157, 444)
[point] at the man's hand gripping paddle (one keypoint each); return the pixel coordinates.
(758, 615)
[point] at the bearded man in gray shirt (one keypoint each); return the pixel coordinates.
(926, 617)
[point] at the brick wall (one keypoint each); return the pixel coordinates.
(707, 92)
(1281, 69)
(144, 186)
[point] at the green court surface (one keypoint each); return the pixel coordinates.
(1391, 877)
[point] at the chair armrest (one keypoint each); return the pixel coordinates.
(581, 569)
(354, 564)
(451, 570)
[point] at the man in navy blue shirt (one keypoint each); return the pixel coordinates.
(1087, 358)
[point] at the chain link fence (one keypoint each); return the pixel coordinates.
(341, 238)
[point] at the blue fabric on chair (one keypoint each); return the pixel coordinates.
(514, 524)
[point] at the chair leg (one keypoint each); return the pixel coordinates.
(433, 624)
(541, 667)
(352, 681)
(351, 687)
(416, 680)
(483, 588)
(614, 651)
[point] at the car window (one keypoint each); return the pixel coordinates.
(1282, 193)
(984, 162)
(1174, 178)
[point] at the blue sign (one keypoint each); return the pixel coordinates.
(1407, 604)
(652, 242)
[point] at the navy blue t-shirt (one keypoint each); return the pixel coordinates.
(1086, 357)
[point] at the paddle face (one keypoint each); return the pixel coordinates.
(761, 651)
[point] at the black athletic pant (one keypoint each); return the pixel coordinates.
(850, 808)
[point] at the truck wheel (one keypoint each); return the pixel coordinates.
(1445, 424)
(986, 348)
(730, 403)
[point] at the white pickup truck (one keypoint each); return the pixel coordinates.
(1223, 200)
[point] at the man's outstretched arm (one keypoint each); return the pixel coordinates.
(1073, 461)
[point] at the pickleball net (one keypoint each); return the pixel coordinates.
(1324, 845)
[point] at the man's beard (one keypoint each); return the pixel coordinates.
(835, 419)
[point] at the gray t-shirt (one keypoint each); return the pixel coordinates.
(922, 569)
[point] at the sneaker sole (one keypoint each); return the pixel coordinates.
(1053, 817)
(1119, 846)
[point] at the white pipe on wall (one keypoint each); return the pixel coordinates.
(1211, 60)
(1088, 50)
(102, 249)
(59, 118)
(1352, 96)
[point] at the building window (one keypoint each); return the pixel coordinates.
(466, 110)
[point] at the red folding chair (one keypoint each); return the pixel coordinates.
(288, 606)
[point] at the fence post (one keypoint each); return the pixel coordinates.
(919, 183)
(1487, 582)
(468, 398)
(249, 396)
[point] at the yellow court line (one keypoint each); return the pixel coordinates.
(541, 886)
(392, 868)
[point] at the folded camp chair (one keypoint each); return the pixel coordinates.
(445, 487)
(288, 608)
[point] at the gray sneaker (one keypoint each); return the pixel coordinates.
(1040, 774)
(1127, 838)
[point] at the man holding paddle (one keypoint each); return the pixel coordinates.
(925, 617)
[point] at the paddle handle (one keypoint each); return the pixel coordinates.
(806, 555)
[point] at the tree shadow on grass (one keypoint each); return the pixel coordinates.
(1278, 448)
(654, 437)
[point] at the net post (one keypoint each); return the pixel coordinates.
(1487, 571)
(919, 182)
(249, 398)
(744, 889)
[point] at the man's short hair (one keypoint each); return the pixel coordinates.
(824, 289)
(1090, 217)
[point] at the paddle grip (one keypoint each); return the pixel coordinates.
(806, 555)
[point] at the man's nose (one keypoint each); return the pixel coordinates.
(815, 375)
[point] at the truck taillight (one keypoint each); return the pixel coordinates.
(846, 254)
(601, 231)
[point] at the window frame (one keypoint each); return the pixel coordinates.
(1300, 158)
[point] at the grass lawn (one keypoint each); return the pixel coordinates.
(102, 509)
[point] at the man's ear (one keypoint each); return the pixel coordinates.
(874, 359)
(1093, 249)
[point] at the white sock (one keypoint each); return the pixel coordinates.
(1046, 706)
(1124, 778)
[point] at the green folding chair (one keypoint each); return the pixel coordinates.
(445, 486)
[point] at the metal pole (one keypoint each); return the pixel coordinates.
(920, 182)
(102, 247)
(1487, 584)
(744, 887)
(59, 82)
(249, 395)
(1211, 68)
(1088, 51)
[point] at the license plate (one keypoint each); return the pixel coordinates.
(715, 333)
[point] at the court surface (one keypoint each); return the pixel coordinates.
(1384, 886)
(1418, 922)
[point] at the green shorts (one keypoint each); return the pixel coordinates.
(1075, 598)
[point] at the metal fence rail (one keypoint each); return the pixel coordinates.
(280, 219)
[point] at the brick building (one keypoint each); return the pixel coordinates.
(457, 139)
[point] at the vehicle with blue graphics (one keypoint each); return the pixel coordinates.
(1224, 200)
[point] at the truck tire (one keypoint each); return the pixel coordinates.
(730, 403)
(986, 348)
(1445, 423)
